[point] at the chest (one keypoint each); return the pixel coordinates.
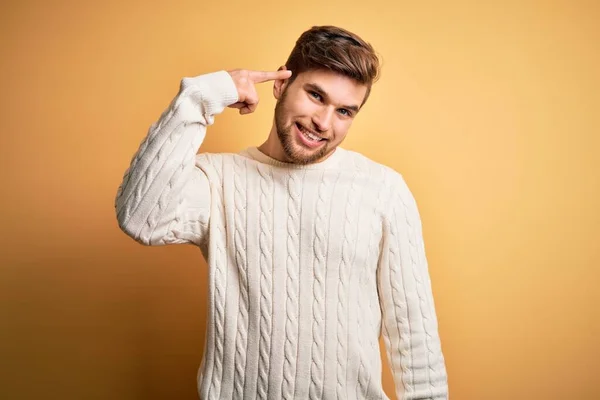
(330, 217)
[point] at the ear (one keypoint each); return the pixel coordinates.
(279, 84)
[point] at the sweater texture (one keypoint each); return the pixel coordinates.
(308, 264)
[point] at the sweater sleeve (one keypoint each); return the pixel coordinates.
(164, 197)
(410, 327)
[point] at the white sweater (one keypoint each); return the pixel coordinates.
(308, 265)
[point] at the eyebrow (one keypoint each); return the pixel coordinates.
(319, 89)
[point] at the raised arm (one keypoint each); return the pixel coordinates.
(164, 197)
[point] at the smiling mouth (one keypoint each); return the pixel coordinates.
(308, 134)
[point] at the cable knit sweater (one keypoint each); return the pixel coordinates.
(308, 265)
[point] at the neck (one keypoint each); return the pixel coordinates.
(272, 146)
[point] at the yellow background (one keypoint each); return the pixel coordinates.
(489, 109)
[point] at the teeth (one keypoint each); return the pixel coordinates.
(312, 136)
(309, 135)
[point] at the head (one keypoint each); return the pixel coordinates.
(333, 71)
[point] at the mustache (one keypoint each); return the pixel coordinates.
(311, 127)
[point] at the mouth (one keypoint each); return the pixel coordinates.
(309, 135)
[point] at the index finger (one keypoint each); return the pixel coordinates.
(264, 76)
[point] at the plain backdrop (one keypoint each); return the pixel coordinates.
(489, 109)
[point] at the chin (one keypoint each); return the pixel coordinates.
(298, 154)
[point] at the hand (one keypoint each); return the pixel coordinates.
(244, 82)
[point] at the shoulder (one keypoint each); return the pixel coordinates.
(212, 158)
(393, 183)
(212, 163)
(360, 163)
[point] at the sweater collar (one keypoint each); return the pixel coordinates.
(330, 162)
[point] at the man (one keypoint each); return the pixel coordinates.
(313, 250)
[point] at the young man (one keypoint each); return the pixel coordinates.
(313, 250)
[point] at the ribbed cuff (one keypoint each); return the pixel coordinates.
(216, 90)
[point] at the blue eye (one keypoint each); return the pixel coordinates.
(346, 111)
(313, 94)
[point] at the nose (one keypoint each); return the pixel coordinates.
(322, 118)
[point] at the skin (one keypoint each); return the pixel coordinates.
(324, 102)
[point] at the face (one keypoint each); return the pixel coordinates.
(314, 113)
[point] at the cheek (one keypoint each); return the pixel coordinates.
(303, 106)
(341, 130)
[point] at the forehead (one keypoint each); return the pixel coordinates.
(339, 88)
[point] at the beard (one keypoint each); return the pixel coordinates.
(294, 152)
